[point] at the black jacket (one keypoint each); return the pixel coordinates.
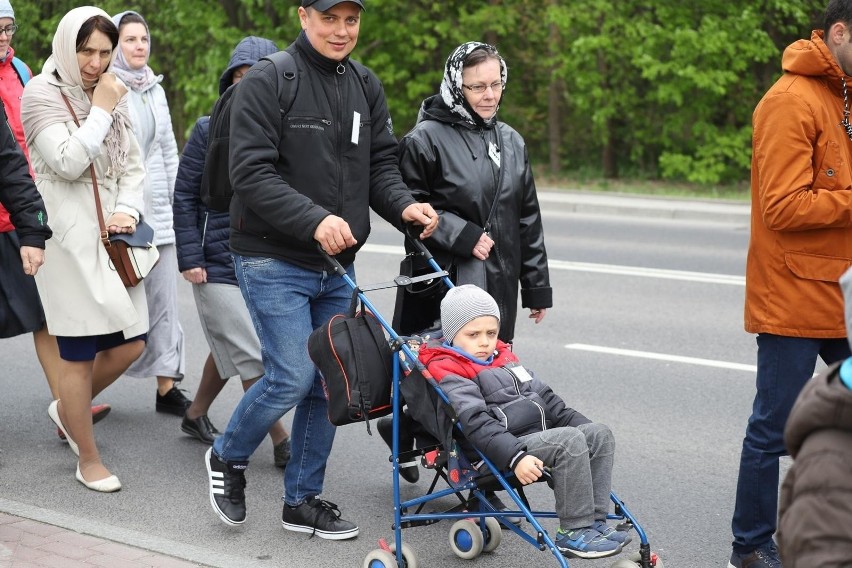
(291, 172)
(445, 161)
(18, 192)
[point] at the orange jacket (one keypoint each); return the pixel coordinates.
(801, 210)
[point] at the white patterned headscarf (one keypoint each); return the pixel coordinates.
(451, 86)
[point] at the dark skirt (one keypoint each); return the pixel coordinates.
(20, 306)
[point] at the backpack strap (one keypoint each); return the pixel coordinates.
(285, 65)
(368, 83)
(22, 70)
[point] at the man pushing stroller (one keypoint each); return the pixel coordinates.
(520, 424)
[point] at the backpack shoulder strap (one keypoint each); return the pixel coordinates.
(285, 65)
(370, 84)
(22, 70)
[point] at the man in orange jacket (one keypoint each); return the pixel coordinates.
(801, 243)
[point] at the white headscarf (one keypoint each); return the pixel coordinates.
(137, 79)
(43, 106)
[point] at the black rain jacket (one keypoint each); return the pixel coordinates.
(445, 161)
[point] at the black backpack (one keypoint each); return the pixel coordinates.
(216, 190)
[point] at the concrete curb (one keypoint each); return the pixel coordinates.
(575, 201)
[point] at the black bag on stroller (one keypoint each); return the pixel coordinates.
(355, 361)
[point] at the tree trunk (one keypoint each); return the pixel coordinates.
(554, 102)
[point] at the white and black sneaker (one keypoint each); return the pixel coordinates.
(318, 517)
(227, 487)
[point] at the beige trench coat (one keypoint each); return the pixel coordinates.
(81, 294)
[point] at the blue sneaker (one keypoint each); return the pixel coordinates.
(615, 535)
(585, 543)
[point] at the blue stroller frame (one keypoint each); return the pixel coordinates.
(467, 538)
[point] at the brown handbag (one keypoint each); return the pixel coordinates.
(132, 255)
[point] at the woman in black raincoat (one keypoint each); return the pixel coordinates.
(475, 172)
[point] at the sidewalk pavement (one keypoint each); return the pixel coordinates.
(26, 543)
(33, 538)
(576, 201)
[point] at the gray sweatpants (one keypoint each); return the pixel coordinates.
(581, 465)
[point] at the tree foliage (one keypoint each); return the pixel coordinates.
(614, 87)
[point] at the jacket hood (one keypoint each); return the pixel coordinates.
(811, 58)
(249, 51)
(434, 108)
(825, 403)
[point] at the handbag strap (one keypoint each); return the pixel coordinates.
(104, 234)
(491, 211)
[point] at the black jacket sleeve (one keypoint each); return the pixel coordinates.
(535, 276)
(389, 195)
(18, 192)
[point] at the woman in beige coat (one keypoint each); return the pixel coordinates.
(100, 325)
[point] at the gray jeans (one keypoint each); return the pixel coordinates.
(581, 465)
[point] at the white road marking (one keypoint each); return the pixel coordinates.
(705, 277)
(662, 357)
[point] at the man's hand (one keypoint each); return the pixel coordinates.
(32, 258)
(528, 469)
(334, 235)
(196, 275)
(421, 214)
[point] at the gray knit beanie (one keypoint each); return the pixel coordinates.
(463, 304)
(6, 10)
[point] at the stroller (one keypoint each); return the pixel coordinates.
(477, 526)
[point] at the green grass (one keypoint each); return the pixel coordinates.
(732, 192)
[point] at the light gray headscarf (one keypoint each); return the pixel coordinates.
(42, 105)
(451, 86)
(137, 79)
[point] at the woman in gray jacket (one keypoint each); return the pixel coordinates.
(164, 356)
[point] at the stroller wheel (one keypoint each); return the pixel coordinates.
(379, 558)
(466, 540)
(493, 534)
(408, 557)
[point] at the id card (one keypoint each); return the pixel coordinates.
(520, 373)
(356, 127)
(494, 153)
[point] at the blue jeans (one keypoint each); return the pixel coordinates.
(784, 365)
(286, 303)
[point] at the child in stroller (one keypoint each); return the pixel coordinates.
(520, 424)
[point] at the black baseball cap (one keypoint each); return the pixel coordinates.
(323, 5)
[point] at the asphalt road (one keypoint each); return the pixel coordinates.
(646, 336)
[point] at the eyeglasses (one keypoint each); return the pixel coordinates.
(496, 86)
(10, 30)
